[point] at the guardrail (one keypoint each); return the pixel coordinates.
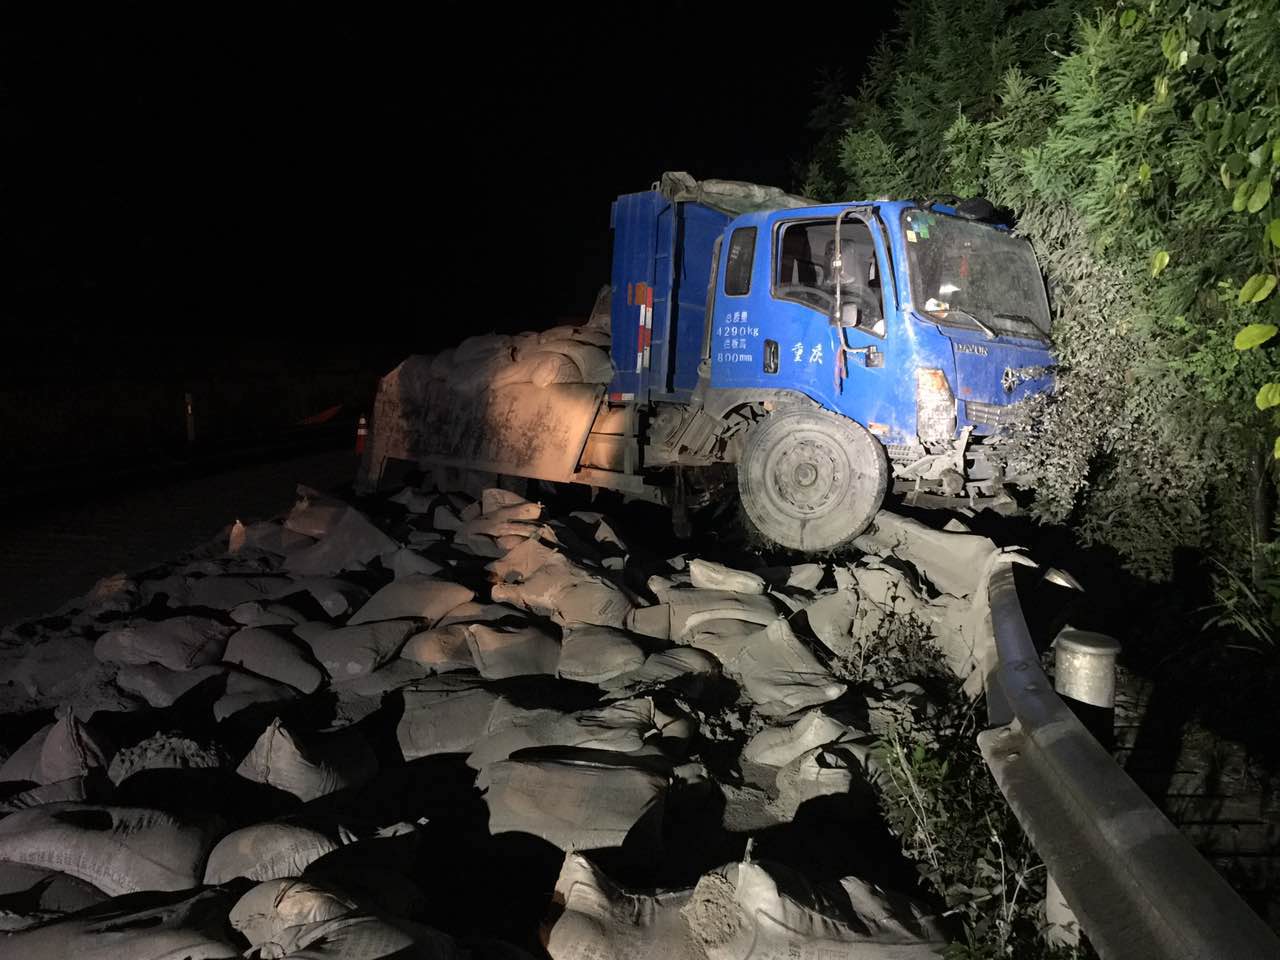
(1137, 885)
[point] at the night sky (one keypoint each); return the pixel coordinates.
(295, 176)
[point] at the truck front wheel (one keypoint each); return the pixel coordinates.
(811, 480)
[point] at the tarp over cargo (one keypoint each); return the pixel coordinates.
(729, 196)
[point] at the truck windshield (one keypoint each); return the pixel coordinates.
(962, 271)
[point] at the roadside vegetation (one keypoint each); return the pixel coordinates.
(1136, 145)
(938, 798)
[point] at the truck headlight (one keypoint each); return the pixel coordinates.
(935, 406)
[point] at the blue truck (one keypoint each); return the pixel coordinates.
(815, 356)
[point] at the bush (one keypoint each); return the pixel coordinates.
(1137, 148)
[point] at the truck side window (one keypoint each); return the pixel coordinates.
(805, 268)
(737, 272)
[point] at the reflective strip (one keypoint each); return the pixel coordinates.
(648, 325)
(641, 296)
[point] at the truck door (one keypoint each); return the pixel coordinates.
(848, 367)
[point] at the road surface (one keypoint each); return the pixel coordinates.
(53, 553)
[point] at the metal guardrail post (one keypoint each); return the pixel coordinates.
(1084, 670)
(1084, 673)
(1084, 667)
(1139, 887)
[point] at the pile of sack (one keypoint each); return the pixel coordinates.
(255, 747)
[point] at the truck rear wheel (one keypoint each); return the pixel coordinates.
(811, 480)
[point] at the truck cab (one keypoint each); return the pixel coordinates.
(787, 340)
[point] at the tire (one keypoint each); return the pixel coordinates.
(810, 480)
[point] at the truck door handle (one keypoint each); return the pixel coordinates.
(871, 357)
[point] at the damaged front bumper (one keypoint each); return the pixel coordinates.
(968, 471)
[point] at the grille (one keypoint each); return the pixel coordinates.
(988, 414)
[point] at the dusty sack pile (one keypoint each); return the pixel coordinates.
(346, 731)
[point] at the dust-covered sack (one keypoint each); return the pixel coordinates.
(245, 690)
(266, 851)
(778, 746)
(139, 927)
(161, 686)
(568, 594)
(354, 650)
(350, 543)
(361, 936)
(269, 654)
(780, 675)
(502, 652)
(574, 799)
(446, 714)
(314, 514)
(179, 643)
(593, 654)
(600, 919)
(741, 910)
(417, 596)
(708, 575)
(33, 893)
(309, 767)
(441, 649)
(60, 751)
(117, 849)
(626, 726)
(162, 751)
(663, 667)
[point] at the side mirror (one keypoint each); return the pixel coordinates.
(850, 315)
(861, 308)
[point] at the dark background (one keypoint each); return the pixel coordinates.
(230, 198)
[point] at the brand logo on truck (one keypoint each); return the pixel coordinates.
(976, 349)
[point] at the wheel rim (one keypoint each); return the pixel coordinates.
(807, 476)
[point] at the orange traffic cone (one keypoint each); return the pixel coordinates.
(362, 431)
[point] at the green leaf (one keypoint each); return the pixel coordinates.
(1276, 450)
(1264, 291)
(1254, 335)
(1225, 175)
(1241, 197)
(1128, 18)
(1274, 230)
(1275, 153)
(1159, 262)
(1256, 289)
(1236, 163)
(1257, 130)
(1260, 197)
(1162, 89)
(1144, 172)
(1141, 111)
(1268, 396)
